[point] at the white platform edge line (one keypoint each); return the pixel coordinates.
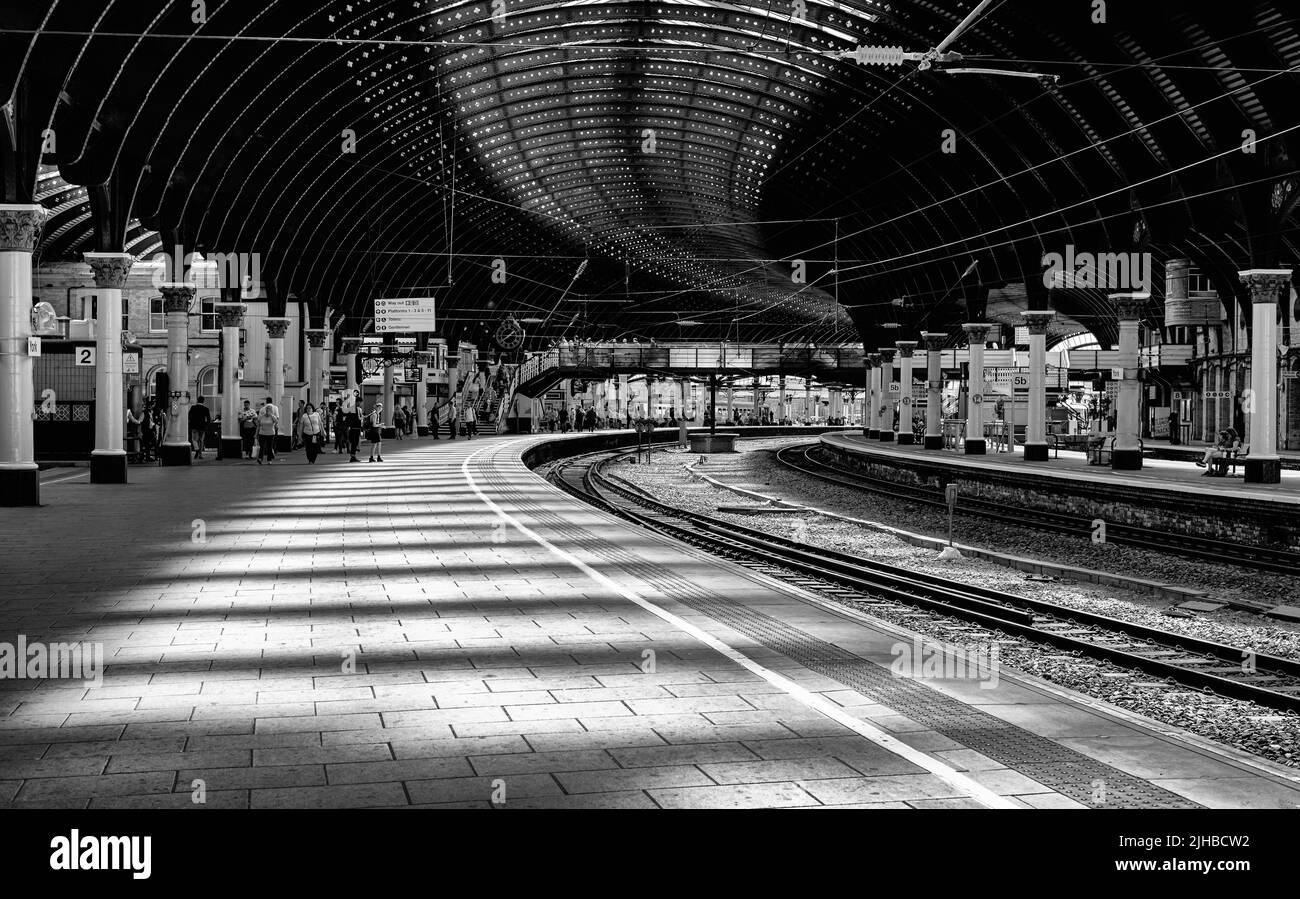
(976, 791)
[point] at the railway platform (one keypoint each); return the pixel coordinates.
(447, 629)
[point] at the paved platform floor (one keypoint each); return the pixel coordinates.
(445, 629)
(1166, 474)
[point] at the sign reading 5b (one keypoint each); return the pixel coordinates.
(84, 355)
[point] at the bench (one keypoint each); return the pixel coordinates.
(1225, 462)
(1102, 450)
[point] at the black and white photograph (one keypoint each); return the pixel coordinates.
(716, 406)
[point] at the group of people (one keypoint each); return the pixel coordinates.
(1226, 447)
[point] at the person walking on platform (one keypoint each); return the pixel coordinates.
(399, 422)
(340, 429)
(248, 429)
(590, 420)
(352, 424)
(374, 432)
(432, 418)
(469, 421)
(268, 424)
(311, 431)
(200, 418)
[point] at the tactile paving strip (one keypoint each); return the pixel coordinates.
(1054, 766)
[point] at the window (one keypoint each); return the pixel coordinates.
(157, 320)
(209, 315)
(207, 383)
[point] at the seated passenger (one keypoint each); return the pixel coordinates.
(1227, 444)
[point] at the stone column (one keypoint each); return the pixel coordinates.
(871, 399)
(275, 331)
(1127, 455)
(837, 403)
(976, 335)
(1262, 465)
(1036, 419)
(318, 377)
(20, 480)
(885, 411)
(350, 347)
(934, 341)
(390, 382)
(422, 399)
(177, 299)
(230, 316)
(905, 350)
(108, 461)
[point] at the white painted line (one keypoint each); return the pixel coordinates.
(812, 700)
(71, 477)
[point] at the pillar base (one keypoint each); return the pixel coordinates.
(232, 449)
(176, 454)
(108, 468)
(1263, 471)
(20, 486)
(873, 434)
(283, 443)
(906, 439)
(934, 441)
(976, 447)
(1126, 460)
(1035, 452)
(421, 431)
(886, 436)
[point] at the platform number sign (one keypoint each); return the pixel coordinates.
(1020, 382)
(85, 355)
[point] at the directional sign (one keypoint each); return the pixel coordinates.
(1218, 394)
(404, 314)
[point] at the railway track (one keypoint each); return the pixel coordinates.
(1203, 549)
(1193, 663)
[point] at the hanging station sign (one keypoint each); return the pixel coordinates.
(404, 314)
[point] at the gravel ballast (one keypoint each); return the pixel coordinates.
(1261, 731)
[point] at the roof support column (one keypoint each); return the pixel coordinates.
(1036, 423)
(976, 335)
(886, 410)
(871, 399)
(230, 316)
(1127, 454)
(108, 460)
(390, 383)
(318, 372)
(275, 331)
(934, 341)
(20, 480)
(177, 299)
(906, 437)
(1262, 465)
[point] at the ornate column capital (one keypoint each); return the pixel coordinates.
(110, 269)
(20, 227)
(230, 315)
(177, 297)
(1037, 320)
(872, 360)
(275, 327)
(887, 354)
(1266, 284)
(350, 345)
(977, 332)
(934, 340)
(1130, 306)
(316, 337)
(905, 348)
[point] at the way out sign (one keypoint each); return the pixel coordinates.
(84, 355)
